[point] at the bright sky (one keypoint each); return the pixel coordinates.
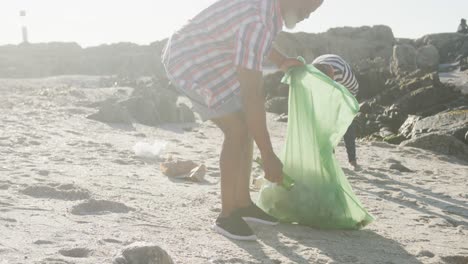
(94, 22)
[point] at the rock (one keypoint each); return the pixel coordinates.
(452, 123)
(449, 45)
(394, 139)
(111, 112)
(406, 129)
(440, 143)
(186, 115)
(197, 174)
(143, 253)
(403, 59)
(277, 105)
(176, 168)
(353, 44)
(143, 110)
(273, 87)
(423, 100)
(372, 75)
(428, 58)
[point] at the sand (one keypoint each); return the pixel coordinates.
(73, 191)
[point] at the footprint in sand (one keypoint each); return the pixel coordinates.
(75, 252)
(67, 192)
(99, 207)
(43, 242)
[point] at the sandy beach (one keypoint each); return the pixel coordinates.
(72, 190)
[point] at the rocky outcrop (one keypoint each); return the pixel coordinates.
(428, 58)
(51, 59)
(454, 123)
(152, 103)
(353, 44)
(403, 59)
(449, 45)
(440, 143)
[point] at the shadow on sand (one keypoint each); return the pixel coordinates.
(301, 244)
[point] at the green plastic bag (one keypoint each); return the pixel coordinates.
(320, 112)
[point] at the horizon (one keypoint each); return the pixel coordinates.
(140, 22)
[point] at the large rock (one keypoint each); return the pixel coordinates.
(353, 44)
(143, 253)
(425, 100)
(428, 58)
(403, 59)
(451, 123)
(143, 110)
(111, 112)
(372, 75)
(449, 45)
(51, 59)
(440, 143)
(406, 129)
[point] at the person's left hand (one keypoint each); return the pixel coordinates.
(289, 63)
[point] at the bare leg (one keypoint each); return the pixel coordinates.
(234, 147)
(243, 181)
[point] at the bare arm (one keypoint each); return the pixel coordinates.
(283, 62)
(254, 107)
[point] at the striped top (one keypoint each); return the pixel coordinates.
(201, 59)
(343, 73)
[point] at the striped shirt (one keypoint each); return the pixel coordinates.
(343, 73)
(201, 59)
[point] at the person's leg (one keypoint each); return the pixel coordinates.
(243, 181)
(230, 223)
(231, 162)
(350, 142)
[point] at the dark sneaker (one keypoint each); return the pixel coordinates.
(234, 227)
(256, 215)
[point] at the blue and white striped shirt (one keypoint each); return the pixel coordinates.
(343, 73)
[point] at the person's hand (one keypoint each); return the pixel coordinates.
(273, 168)
(289, 63)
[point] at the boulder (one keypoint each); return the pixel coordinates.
(143, 110)
(403, 59)
(372, 75)
(422, 101)
(428, 58)
(452, 123)
(273, 87)
(449, 45)
(406, 129)
(440, 143)
(277, 105)
(111, 112)
(143, 253)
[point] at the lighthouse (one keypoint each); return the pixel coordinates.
(24, 29)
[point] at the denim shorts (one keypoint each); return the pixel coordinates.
(227, 107)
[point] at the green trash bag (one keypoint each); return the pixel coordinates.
(320, 112)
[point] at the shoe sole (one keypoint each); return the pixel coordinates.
(259, 221)
(231, 236)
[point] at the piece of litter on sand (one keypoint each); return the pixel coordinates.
(176, 168)
(146, 150)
